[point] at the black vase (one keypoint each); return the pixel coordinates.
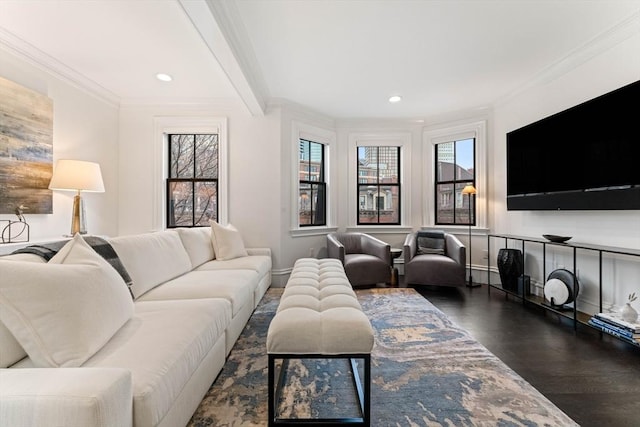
(510, 266)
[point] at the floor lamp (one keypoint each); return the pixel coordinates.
(470, 190)
(77, 175)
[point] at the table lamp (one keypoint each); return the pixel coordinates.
(77, 175)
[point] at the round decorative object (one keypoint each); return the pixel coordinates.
(558, 290)
(511, 266)
(629, 314)
(556, 239)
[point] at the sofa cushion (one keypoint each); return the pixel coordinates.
(261, 264)
(68, 397)
(64, 311)
(152, 258)
(236, 286)
(162, 345)
(197, 242)
(227, 242)
(11, 350)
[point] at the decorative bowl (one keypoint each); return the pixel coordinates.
(556, 239)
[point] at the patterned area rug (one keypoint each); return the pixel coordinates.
(426, 371)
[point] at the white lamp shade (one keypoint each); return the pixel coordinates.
(77, 175)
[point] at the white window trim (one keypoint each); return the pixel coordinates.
(431, 137)
(164, 126)
(380, 139)
(327, 138)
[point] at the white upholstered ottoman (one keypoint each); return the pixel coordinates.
(319, 317)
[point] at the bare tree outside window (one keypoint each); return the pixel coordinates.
(192, 185)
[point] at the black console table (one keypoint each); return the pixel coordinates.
(575, 314)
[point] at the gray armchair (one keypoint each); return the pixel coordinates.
(439, 259)
(366, 260)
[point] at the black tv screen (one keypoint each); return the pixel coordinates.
(583, 158)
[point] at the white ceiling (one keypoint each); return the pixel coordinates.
(342, 58)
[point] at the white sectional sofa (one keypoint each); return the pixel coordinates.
(77, 348)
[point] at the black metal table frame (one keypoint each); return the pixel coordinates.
(363, 390)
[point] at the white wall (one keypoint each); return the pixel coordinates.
(595, 76)
(254, 170)
(84, 128)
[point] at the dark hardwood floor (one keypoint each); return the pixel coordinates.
(594, 379)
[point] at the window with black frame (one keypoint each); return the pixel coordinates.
(312, 186)
(192, 183)
(454, 169)
(379, 192)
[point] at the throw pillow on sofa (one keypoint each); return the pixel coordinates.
(64, 311)
(197, 242)
(227, 242)
(430, 242)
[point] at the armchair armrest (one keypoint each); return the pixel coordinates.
(376, 247)
(335, 249)
(70, 397)
(455, 249)
(410, 247)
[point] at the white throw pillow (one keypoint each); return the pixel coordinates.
(197, 242)
(227, 242)
(64, 311)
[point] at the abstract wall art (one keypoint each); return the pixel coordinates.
(26, 149)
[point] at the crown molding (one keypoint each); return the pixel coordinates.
(29, 53)
(216, 103)
(299, 111)
(592, 48)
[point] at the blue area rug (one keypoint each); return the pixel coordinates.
(426, 371)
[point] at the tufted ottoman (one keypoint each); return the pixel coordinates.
(319, 317)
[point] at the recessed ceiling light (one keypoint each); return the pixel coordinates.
(395, 98)
(164, 77)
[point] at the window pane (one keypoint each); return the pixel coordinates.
(206, 156)
(180, 204)
(367, 212)
(388, 163)
(304, 150)
(445, 161)
(303, 170)
(318, 204)
(445, 199)
(389, 200)
(464, 160)
(316, 161)
(181, 153)
(206, 197)
(304, 204)
(463, 216)
(378, 204)
(368, 165)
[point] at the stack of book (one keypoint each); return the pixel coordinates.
(612, 323)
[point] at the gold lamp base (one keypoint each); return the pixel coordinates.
(78, 220)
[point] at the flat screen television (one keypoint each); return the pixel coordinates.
(583, 158)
